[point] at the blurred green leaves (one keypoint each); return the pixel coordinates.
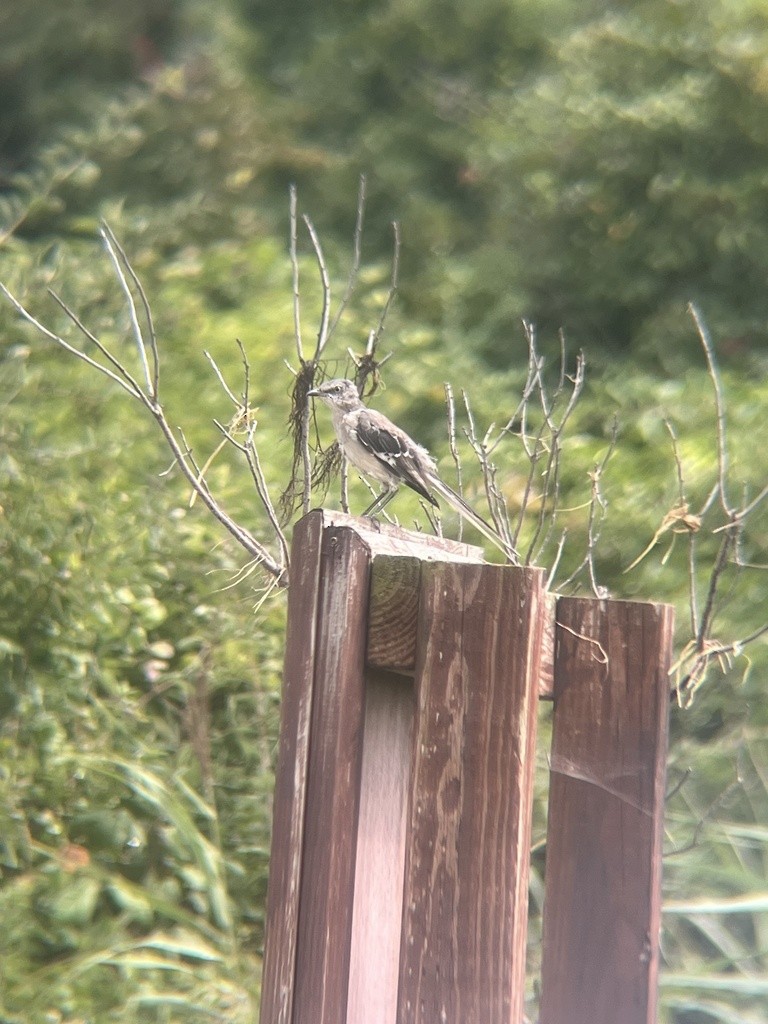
(591, 168)
(638, 168)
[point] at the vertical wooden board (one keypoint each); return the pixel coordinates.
(327, 877)
(465, 894)
(291, 774)
(547, 679)
(603, 870)
(377, 914)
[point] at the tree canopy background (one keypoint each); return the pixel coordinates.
(588, 167)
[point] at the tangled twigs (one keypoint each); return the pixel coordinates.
(303, 477)
(702, 649)
(147, 394)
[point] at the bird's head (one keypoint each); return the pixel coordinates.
(341, 393)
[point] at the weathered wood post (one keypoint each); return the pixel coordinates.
(399, 868)
(602, 908)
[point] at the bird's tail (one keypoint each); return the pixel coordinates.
(466, 511)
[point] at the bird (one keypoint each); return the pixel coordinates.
(379, 449)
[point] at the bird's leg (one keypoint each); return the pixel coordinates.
(378, 504)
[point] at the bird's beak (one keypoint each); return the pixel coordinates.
(313, 393)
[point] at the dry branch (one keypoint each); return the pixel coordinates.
(275, 564)
(703, 648)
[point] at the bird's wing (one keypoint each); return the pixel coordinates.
(394, 449)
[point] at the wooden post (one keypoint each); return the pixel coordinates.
(466, 888)
(606, 803)
(291, 776)
(399, 866)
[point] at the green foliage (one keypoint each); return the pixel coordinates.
(56, 56)
(715, 917)
(403, 110)
(134, 676)
(628, 179)
(138, 700)
(591, 169)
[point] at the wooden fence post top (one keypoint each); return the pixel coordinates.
(386, 539)
(397, 557)
(616, 602)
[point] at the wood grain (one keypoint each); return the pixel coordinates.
(377, 914)
(465, 895)
(603, 870)
(394, 613)
(547, 677)
(333, 782)
(291, 774)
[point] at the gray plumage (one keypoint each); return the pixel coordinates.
(379, 449)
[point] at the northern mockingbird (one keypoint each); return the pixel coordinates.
(381, 450)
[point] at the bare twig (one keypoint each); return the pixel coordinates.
(322, 332)
(596, 518)
(243, 536)
(189, 455)
(134, 389)
(550, 486)
(225, 387)
(392, 293)
(702, 649)
(254, 464)
(708, 612)
(240, 421)
(749, 508)
(295, 272)
(598, 508)
(368, 365)
(705, 818)
(693, 610)
(244, 419)
(126, 263)
(533, 381)
(556, 560)
(357, 244)
(714, 373)
(496, 503)
(130, 302)
(147, 396)
(542, 448)
(450, 406)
